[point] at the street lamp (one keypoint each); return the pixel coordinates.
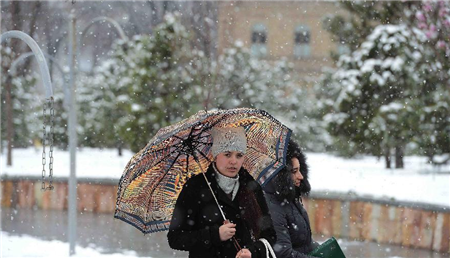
(73, 53)
(45, 74)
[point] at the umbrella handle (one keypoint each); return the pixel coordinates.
(235, 242)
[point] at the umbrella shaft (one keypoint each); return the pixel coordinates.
(212, 192)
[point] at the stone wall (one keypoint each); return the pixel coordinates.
(96, 196)
(383, 221)
(389, 222)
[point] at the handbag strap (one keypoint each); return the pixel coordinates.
(268, 248)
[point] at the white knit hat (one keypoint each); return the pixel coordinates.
(228, 139)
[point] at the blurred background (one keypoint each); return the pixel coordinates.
(364, 85)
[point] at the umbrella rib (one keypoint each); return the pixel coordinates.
(161, 178)
(190, 134)
(205, 128)
(161, 150)
(195, 141)
(161, 160)
(171, 165)
(206, 157)
(187, 164)
(201, 137)
(156, 151)
(179, 138)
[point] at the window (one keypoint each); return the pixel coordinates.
(259, 40)
(302, 47)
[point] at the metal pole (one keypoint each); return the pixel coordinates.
(73, 54)
(72, 139)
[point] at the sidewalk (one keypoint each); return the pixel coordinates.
(110, 235)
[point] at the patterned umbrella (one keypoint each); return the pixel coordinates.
(153, 178)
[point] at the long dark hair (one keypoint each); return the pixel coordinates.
(285, 187)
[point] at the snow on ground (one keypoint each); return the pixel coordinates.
(27, 246)
(364, 176)
(91, 163)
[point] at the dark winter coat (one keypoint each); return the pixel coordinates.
(290, 219)
(196, 218)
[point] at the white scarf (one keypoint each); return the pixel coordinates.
(228, 184)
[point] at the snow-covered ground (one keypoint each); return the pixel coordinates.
(367, 176)
(27, 246)
(13, 246)
(364, 176)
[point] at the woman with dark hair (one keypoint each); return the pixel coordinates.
(283, 196)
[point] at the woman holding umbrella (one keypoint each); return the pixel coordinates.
(283, 195)
(228, 216)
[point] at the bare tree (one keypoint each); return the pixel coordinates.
(202, 20)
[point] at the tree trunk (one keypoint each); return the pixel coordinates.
(119, 149)
(14, 9)
(9, 121)
(387, 157)
(208, 98)
(399, 157)
(26, 67)
(154, 14)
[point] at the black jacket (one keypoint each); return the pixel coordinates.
(290, 219)
(196, 218)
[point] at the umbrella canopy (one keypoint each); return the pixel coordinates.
(153, 178)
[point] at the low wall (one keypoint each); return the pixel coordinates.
(382, 221)
(331, 214)
(94, 195)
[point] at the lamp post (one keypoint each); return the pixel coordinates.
(73, 53)
(72, 213)
(45, 75)
(72, 107)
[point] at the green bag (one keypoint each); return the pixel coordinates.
(329, 249)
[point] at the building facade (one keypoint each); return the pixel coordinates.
(279, 29)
